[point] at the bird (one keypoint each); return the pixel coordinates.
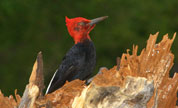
(79, 62)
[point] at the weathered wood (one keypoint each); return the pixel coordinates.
(137, 81)
(141, 81)
(35, 86)
(37, 76)
(118, 61)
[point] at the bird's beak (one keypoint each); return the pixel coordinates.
(96, 20)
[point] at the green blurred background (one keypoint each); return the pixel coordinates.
(30, 26)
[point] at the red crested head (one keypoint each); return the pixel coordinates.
(79, 28)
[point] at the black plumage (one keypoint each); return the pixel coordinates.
(78, 63)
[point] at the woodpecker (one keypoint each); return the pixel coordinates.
(79, 62)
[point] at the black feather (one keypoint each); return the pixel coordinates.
(78, 63)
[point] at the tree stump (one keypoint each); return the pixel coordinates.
(138, 81)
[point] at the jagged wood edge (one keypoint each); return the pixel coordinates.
(35, 86)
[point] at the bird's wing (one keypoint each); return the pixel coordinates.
(66, 70)
(51, 82)
(55, 81)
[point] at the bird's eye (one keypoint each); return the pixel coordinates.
(81, 24)
(76, 28)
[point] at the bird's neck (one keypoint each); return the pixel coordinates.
(81, 38)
